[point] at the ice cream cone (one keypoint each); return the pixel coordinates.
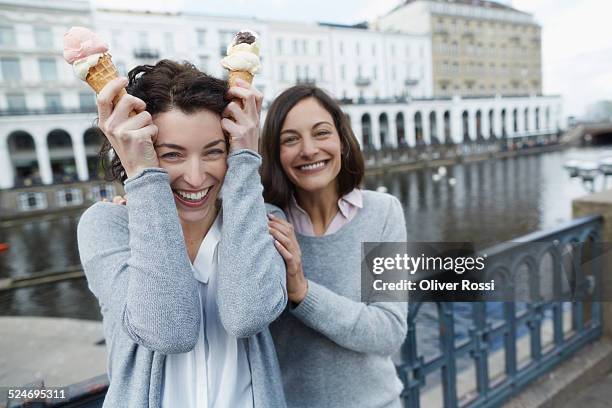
(101, 74)
(242, 59)
(233, 76)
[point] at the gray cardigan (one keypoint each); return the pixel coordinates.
(137, 266)
(334, 350)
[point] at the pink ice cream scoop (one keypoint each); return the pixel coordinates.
(80, 42)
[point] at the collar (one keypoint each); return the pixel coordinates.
(354, 198)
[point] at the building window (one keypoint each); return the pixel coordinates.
(32, 201)
(121, 68)
(374, 72)
(53, 102)
(304, 47)
(48, 69)
(100, 192)
(298, 72)
(357, 49)
(279, 46)
(341, 48)
(16, 102)
(116, 39)
(143, 39)
(201, 37)
(203, 66)
(392, 50)
(169, 42)
(393, 73)
(295, 47)
(7, 35)
(343, 72)
(373, 49)
(11, 71)
(43, 37)
(69, 197)
(282, 69)
(322, 72)
(319, 47)
(87, 102)
(407, 51)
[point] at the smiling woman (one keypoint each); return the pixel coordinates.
(187, 282)
(334, 350)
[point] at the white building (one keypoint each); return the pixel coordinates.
(383, 78)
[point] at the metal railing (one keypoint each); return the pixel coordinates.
(514, 374)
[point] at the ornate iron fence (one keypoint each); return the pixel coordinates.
(557, 249)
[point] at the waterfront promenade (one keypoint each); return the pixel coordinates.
(57, 351)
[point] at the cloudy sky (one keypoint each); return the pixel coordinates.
(576, 34)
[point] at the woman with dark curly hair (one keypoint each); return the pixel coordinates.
(186, 274)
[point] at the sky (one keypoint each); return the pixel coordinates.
(576, 34)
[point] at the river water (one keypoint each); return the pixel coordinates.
(483, 202)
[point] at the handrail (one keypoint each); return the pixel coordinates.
(521, 322)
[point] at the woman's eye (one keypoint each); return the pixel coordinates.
(322, 133)
(289, 140)
(215, 152)
(170, 155)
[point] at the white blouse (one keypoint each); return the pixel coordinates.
(216, 372)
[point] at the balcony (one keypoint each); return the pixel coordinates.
(48, 111)
(146, 53)
(362, 81)
(306, 81)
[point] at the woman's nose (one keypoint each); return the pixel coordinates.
(309, 147)
(195, 173)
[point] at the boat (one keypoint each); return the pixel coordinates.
(588, 171)
(572, 167)
(605, 166)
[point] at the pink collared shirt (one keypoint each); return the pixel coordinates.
(349, 206)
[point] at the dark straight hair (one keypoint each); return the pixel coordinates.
(277, 187)
(165, 86)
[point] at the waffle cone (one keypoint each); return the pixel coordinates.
(101, 74)
(244, 75)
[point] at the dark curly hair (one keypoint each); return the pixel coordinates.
(165, 86)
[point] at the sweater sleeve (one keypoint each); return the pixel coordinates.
(251, 282)
(378, 327)
(137, 266)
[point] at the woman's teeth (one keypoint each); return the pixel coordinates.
(313, 165)
(197, 196)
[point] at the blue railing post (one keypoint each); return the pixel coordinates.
(447, 340)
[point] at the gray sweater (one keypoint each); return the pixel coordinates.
(335, 351)
(137, 266)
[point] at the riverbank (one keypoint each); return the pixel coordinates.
(391, 167)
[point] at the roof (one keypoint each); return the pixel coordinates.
(363, 25)
(476, 3)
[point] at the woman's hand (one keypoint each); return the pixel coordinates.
(131, 135)
(287, 245)
(116, 200)
(241, 117)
